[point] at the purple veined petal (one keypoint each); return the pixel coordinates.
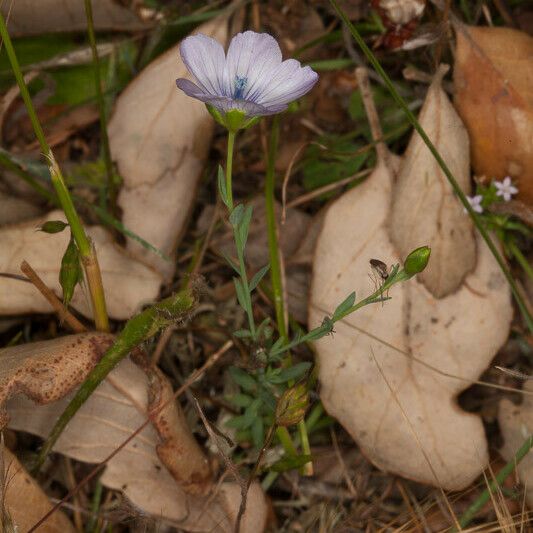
(251, 59)
(289, 83)
(191, 89)
(205, 60)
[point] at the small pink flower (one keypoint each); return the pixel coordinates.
(475, 203)
(506, 189)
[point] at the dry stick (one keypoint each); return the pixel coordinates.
(190, 380)
(415, 434)
(63, 313)
(361, 73)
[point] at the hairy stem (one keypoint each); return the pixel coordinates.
(85, 247)
(137, 330)
(453, 182)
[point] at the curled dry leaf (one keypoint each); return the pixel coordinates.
(114, 411)
(159, 139)
(128, 284)
(494, 96)
(25, 502)
(27, 17)
(416, 422)
(425, 209)
(516, 424)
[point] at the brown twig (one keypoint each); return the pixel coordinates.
(190, 380)
(64, 314)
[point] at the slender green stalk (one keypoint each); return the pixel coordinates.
(104, 139)
(236, 237)
(272, 230)
(484, 497)
(92, 525)
(519, 256)
(137, 330)
(275, 267)
(85, 247)
(229, 169)
(453, 182)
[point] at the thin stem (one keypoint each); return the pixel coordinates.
(519, 256)
(236, 236)
(275, 268)
(229, 169)
(455, 186)
(85, 247)
(484, 497)
(272, 230)
(104, 139)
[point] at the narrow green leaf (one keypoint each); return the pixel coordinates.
(241, 295)
(290, 462)
(222, 186)
(242, 333)
(243, 379)
(291, 373)
(71, 272)
(231, 263)
(241, 400)
(236, 215)
(258, 276)
(344, 306)
(258, 433)
(244, 225)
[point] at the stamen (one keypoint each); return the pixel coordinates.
(240, 85)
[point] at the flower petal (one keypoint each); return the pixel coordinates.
(191, 89)
(205, 60)
(289, 82)
(252, 57)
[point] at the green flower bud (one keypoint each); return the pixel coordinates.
(53, 226)
(71, 273)
(417, 260)
(233, 120)
(292, 406)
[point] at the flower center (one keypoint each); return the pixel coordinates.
(239, 84)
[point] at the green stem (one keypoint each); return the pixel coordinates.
(285, 438)
(484, 497)
(95, 506)
(272, 230)
(229, 169)
(414, 122)
(137, 330)
(85, 247)
(275, 267)
(238, 245)
(104, 139)
(519, 256)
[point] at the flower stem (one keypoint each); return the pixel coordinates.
(229, 169)
(85, 247)
(453, 182)
(104, 139)
(483, 498)
(275, 270)
(236, 236)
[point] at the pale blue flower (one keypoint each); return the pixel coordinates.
(505, 188)
(251, 78)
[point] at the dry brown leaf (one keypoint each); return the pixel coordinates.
(159, 139)
(494, 96)
(128, 284)
(25, 502)
(116, 409)
(28, 17)
(458, 334)
(425, 209)
(516, 424)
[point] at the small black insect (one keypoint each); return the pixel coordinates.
(380, 268)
